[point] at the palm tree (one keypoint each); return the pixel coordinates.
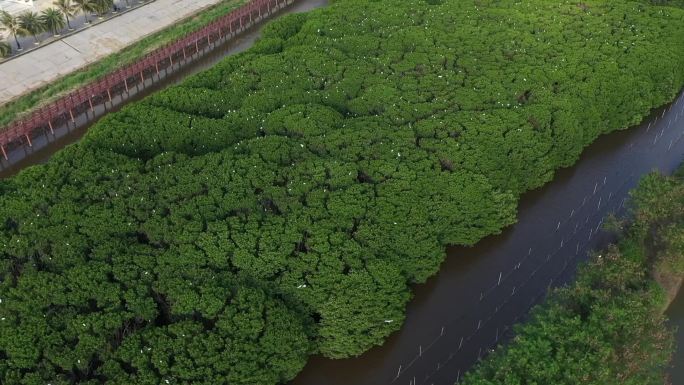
(5, 49)
(102, 6)
(68, 9)
(53, 20)
(85, 6)
(12, 25)
(31, 22)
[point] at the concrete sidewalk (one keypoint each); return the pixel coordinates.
(42, 66)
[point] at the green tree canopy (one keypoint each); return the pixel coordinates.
(282, 203)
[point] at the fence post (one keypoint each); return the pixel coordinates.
(71, 107)
(25, 131)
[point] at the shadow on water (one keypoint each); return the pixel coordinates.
(44, 146)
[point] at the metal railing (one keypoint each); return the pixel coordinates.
(119, 82)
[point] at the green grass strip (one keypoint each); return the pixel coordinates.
(130, 54)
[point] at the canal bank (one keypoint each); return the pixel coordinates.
(46, 145)
(493, 289)
(480, 292)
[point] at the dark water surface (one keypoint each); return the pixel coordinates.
(45, 146)
(676, 314)
(479, 292)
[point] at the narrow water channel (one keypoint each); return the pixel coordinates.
(469, 307)
(479, 292)
(45, 146)
(676, 315)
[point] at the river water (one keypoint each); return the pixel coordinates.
(469, 307)
(45, 146)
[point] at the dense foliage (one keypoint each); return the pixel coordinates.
(607, 328)
(281, 203)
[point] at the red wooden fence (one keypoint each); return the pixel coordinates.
(120, 81)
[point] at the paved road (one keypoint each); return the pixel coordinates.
(44, 65)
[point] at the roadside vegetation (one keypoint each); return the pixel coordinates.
(12, 110)
(282, 203)
(52, 20)
(608, 327)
